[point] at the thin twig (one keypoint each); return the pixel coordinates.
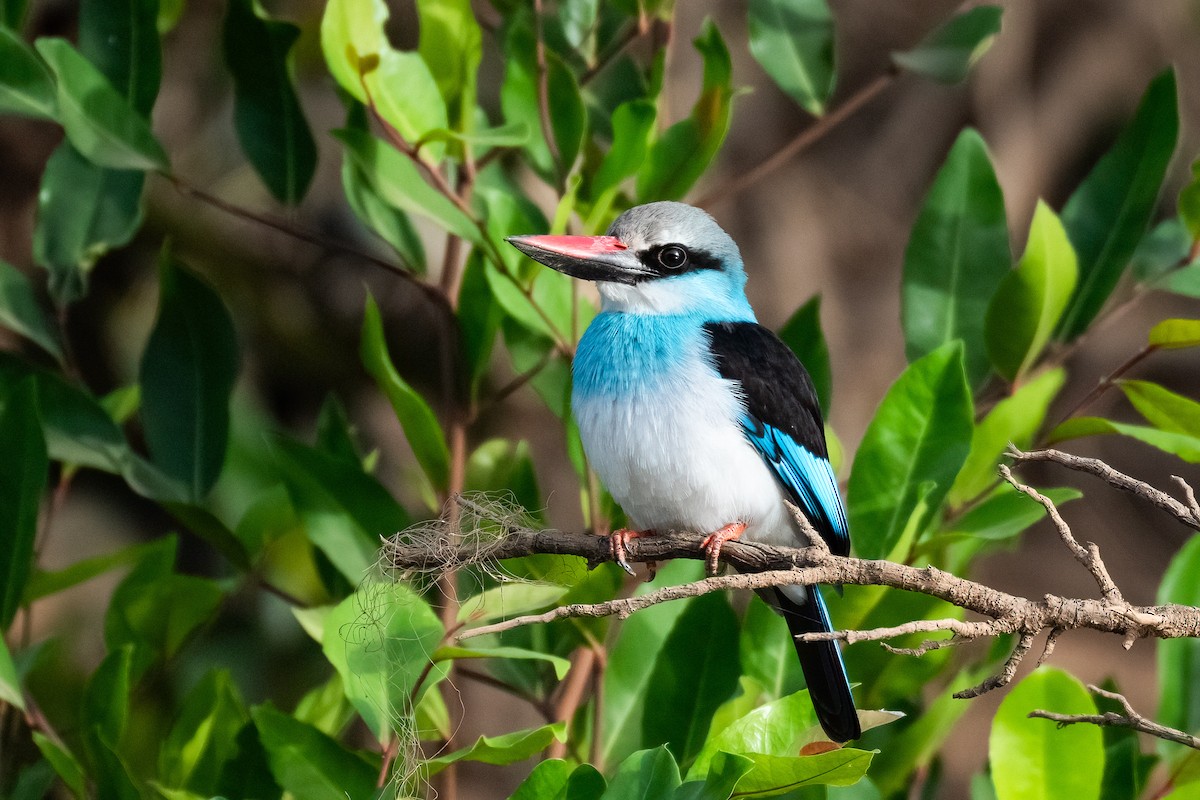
(1108, 381)
(1130, 719)
(543, 90)
(1005, 676)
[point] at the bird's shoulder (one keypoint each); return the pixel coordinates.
(776, 387)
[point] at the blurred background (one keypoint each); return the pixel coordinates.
(1049, 98)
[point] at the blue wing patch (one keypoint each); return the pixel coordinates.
(809, 479)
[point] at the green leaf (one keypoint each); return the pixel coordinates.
(780, 727)
(270, 123)
(506, 749)
(1030, 299)
(627, 679)
(1161, 251)
(693, 674)
(22, 481)
(1189, 203)
(766, 650)
(203, 739)
(44, 584)
(725, 771)
(309, 764)
(1015, 419)
(120, 38)
(83, 212)
(20, 311)
(633, 130)
(685, 150)
(1007, 512)
(395, 179)
(510, 599)
(956, 257)
(947, 54)
(1179, 659)
(1163, 408)
(920, 437)
(66, 766)
(547, 780)
(647, 774)
(398, 85)
(793, 41)
(10, 685)
(420, 424)
(156, 607)
(1179, 444)
(98, 119)
(1172, 334)
(26, 86)
(447, 653)
(187, 374)
(1027, 755)
(772, 776)
(1109, 212)
(802, 333)
(379, 639)
(452, 45)
(106, 697)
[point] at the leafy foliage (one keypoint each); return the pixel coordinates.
(696, 700)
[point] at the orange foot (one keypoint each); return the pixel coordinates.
(619, 540)
(714, 541)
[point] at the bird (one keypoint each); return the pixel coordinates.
(696, 417)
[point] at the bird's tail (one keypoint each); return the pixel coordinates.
(824, 671)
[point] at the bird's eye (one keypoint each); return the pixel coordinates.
(672, 257)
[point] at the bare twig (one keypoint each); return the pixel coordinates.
(1109, 381)
(1182, 512)
(1130, 719)
(1005, 676)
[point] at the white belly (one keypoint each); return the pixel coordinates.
(675, 459)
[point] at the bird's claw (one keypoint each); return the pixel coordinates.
(618, 542)
(713, 543)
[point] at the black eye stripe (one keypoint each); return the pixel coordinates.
(695, 259)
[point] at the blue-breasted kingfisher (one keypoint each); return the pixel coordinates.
(697, 418)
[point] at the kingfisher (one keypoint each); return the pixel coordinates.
(697, 418)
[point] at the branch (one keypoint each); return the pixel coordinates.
(1130, 719)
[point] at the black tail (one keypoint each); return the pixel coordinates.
(822, 664)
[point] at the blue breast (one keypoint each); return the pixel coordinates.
(624, 355)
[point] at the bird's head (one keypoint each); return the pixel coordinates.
(658, 258)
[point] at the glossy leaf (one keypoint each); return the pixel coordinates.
(685, 150)
(793, 41)
(10, 686)
(1007, 512)
(479, 317)
(725, 771)
(154, 607)
(947, 54)
(780, 727)
(766, 650)
(452, 45)
(956, 257)
(633, 132)
(694, 673)
(21, 312)
(267, 115)
(1183, 445)
(772, 776)
(379, 640)
(1161, 251)
(1172, 334)
(1015, 419)
(1109, 212)
(26, 86)
(187, 374)
(43, 584)
(84, 211)
(65, 764)
(203, 739)
(396, 180)
(1163, 408)
(309, 764)
(911, 452)
(1179, 659)
(547, 780)
(121, 39)
(22, 481)
(1031, 298)
(1027, 755)
(649, 774)
(802, 333)
(420, 424)
(397, 84)
(1189, 203)
(505, 749)
(627, 681)
(447, 653)
(99, 121)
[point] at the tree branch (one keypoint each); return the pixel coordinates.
(1130, 719)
